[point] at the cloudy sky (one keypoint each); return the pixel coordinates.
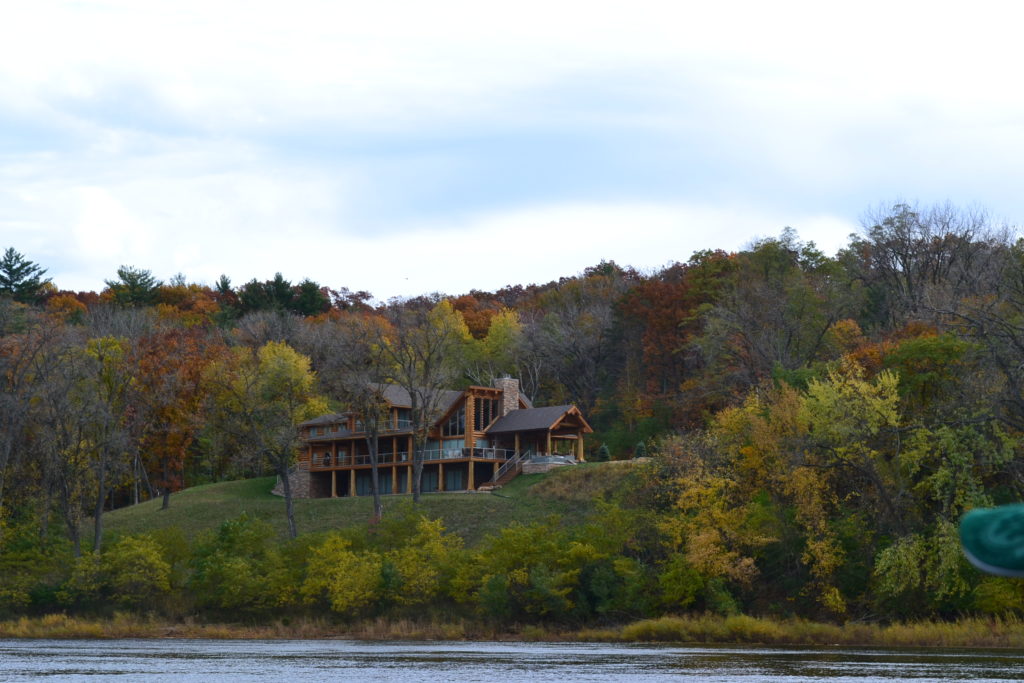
(409, 147)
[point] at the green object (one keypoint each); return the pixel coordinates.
(993, 539)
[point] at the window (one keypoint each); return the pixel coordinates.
(484, 412)
(456, 424)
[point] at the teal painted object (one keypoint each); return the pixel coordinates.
(993, 539)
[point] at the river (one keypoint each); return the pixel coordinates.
(297, 661)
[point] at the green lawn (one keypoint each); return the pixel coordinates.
(471, 515)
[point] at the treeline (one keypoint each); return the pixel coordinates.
(817, 423)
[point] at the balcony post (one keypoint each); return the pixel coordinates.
(352, 481)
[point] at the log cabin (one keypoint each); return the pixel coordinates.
(483, 437)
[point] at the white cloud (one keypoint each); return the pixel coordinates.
(543, 243)
(164, 135)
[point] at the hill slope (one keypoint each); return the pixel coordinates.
(569, 493)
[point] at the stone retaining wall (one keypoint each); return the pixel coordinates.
(541, 467)
(300, 483)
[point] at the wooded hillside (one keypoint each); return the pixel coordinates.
(816, 424)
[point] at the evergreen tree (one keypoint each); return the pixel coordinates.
(20, 278)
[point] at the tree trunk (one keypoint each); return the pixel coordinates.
(166, 488)
(417, 468)
(373, 446)
(289, 508)
(71, 521)
(101, 496)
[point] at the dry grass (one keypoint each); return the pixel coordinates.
(585, 482)
(968, 633)
(965, 633)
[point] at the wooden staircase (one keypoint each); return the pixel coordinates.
(509, 470)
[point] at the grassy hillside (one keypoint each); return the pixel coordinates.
(567, 492)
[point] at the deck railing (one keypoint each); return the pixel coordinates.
(514, 463)
(432, 455)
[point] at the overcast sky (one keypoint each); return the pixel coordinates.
(410, 147)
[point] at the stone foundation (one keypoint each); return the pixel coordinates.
(541, 467)
(300, 483)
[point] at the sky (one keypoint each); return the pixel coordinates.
(408, 147)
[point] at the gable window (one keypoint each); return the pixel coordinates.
(484, 412)
(455, 425)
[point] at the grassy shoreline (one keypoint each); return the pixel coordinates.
(993, 632)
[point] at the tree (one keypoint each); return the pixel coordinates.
(134, 287)
(109, 380)
(168, 398)
(784, 298)
(64, 441)
(915, 261)
(571, 332)
(310, 299)
(353, 367)
(423, 353)
(20, 278)
(260, 398)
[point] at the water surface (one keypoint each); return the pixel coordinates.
(297, 661)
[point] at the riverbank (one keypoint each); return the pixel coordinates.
(699, 629)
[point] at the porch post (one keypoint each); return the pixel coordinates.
(549, 442)
(352, 482)
(334, 483)
(408, 479)
(440, 476)
(472, 483)
(579, 447)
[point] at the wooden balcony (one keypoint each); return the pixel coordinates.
(344, 461)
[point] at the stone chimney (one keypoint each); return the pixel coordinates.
(509, 394)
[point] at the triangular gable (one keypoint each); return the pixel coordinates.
(573, 412)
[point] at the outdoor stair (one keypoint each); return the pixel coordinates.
(509, 471)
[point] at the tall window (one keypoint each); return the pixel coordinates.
(484, 412)
(456, 423)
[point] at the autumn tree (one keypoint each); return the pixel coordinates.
(63, 438)
(168, 395)
(350, 355)
(775, 315)
(17, 356)
(109, 380)
(570, 332)
(260, 397)
(498, 352)
(423, 352)
(916, 261)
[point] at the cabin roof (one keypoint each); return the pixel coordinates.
(526, 419)
(324, 420)
(397, 396)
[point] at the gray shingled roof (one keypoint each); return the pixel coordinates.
(323, 420)
(397, 396)
(529, 418)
